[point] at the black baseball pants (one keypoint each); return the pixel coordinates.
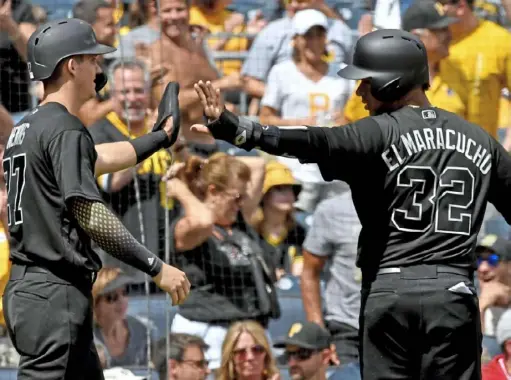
(49, 321)
(421, 323)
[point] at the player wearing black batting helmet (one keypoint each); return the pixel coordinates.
(421, 178)
(55, 209)
(392, 64)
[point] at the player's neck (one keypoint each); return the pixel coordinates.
(64, 96)
(464, 27)
(415, 98)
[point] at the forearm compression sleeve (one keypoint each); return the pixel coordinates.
(110, 234)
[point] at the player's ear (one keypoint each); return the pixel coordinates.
(72, 65)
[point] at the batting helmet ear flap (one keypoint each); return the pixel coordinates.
(388, 88)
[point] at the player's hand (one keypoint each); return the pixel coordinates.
(210, 99)
(494, 293)
(174, 282)
(169, 126)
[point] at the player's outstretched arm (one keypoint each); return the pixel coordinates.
(309, 144)
(113, 157)
(110, 234)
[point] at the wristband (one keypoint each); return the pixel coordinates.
(156, 265)
(148, 144)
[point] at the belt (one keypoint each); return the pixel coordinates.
(75, 278)
(439, 269)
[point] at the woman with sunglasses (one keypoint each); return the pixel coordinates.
(231, 274)
(124, 336)
(246, 354)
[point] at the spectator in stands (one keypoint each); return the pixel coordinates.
(246, 354)
(499, 368)
(480, 50)
(129, 95)
(300, 91)
(494, 280)
(119, 373)
(185, 361)
(275, 221)
(274, 45)
(104, 357)
(213, 16)
(307, 351)
(333, 239)
(100, 14)
(188, 62)
(429, 22)
(231, 275)
(124, 336)
(16, 25)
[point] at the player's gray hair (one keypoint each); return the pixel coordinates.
(127, 63)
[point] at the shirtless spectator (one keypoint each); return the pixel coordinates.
(188, 62)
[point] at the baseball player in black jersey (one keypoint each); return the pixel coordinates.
(55, 209)
(421, 178)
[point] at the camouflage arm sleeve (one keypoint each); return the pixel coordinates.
(112, 236)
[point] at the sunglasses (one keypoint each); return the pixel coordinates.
(197, 363)
(299, 355)
(114, 297)
(241, 354)
(493, 260)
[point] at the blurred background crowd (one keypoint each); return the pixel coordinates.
(269, 247)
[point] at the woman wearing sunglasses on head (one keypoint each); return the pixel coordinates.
(246, 354)
(211, 240)
(124, 336)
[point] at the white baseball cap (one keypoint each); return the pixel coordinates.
(118, 373)
(306, 19)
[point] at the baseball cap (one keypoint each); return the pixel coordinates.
(503, 331)
(497, 244)
(306, 19)
(119, 373)
(305, 335)
(278, 174)
(426, 14)
(119, 282)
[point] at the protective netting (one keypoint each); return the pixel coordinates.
(247, 51)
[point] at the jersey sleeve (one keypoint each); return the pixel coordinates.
(73, 157)
(500, 186)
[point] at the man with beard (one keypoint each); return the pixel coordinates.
(130, 85)
(307, 351)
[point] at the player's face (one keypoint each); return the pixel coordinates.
(293, 6)
(228, 202)
(371, 103)
(131, 94)
(174, 16)
(85, 76)
(280, 198)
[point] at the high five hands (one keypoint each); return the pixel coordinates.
(211, 101)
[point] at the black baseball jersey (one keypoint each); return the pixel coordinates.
(420, 179)
(49, 159)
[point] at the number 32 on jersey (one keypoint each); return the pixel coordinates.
(14, 176)
(442, 201)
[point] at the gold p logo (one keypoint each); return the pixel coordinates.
(295, 329)
(439, 8)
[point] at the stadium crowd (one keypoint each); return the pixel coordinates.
(269, 246)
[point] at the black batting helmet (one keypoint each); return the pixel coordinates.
(60, 39)
(393, 60)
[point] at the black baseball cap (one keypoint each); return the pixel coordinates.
(305, 335)
(426, 14)
(499, 245)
